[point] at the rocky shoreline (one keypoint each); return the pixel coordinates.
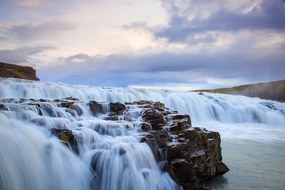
(189, 154)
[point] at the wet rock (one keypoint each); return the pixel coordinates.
(4, 107)
(143, 139)
(111, 118)
(117, 107)
(47, 108)
(67, 138)
(161, 138)
(155, 118)
(77, 109)
(159, 106)
(176, 151)
(221, 168)
(122, 151)
(72, 98)
(142, 102)
(95, 108)
(145, 127)
(178, 126)
(181, 118)
(71, 111)
(66, 104)
(181, 170)
(128, 118)
(151, 142)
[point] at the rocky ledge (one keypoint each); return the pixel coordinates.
(189, 154)
(17, 71)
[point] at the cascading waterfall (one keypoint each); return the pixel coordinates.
(206, 107)
(108, 155)
(30, 159)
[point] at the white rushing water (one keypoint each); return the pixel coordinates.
(207, 107)
(35, 160)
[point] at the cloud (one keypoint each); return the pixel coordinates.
(21, 55)
(185, 42)
(42, 31)
(167, 68)
(268, 15)
(29, 3)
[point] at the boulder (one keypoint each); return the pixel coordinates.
(112, 118)
(154, 118)
(95, 108)
(221, 168)
(77, 109)
(67, 138)
(66, 104)
(4, 107)
(144, 127)
(117, 107)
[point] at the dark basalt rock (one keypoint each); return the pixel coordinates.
(95, 108)
(145, 127)
(77, 109)
(155, 119)
(72, 98)
(4, 107)
(193, 154)
(66, 104)
(221, 168)
(48, 109)
(71, 111)
(112, 118)
(117, 107)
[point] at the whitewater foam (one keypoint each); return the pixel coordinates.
(206, 107)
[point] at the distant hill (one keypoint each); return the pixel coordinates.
(17, 71)
(270, 90)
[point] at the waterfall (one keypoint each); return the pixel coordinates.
(107, 155)
(31, 160)
(206, 107)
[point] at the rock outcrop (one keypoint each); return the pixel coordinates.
(189, 154)
(17, 71)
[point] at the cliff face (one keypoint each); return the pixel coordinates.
(270, 90)
(16, 71)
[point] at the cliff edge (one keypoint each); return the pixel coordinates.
(17, 71)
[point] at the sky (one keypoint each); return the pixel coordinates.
(181, 44)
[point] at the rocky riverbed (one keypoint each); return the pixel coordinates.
(190, 155)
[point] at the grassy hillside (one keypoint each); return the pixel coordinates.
(270, 90)
(16, 71)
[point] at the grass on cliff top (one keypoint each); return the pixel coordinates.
(270, 90)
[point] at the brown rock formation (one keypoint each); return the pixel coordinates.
(17, 71)
(191, 155)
